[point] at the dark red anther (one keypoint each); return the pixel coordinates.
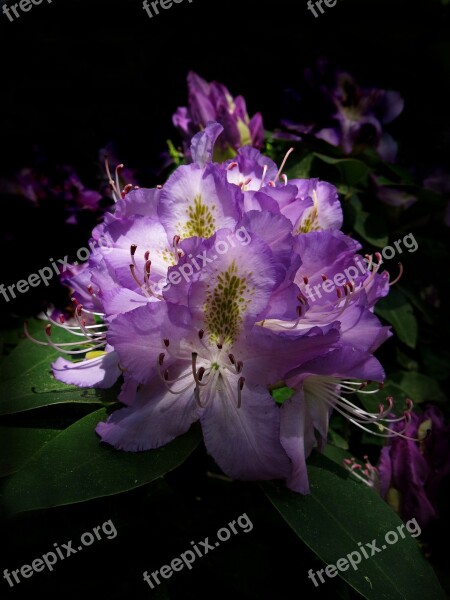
(166, 343)
(161, 359)
(79, 309)
(133, 249)
(239, 366)
(126, 190)
(220, 346)
(200, 373)
(90, 290)
(299, 311)
(48, 330)
(201, 333)
(75, 301)
(176, 240)
(241, 383)
(339, 293)
(351, 286)
(166, 375)
(62, 320)
(305, 280)
(301, 299)
(232, 359)
(148, 266)
(324, 277)
(147, 255)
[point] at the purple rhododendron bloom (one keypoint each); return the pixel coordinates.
(60, 185)
(417, 467)
(214, 289)
(213, 102)
(353, 116)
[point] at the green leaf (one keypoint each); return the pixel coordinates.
(337, 440)
(406, 361)
(27, 381)
(370, 226)
(351, 170)
(75, 467)
(339, 513)
(280, 395)
(18, 444)
(397, 311)
(418, 387)
(302, 169)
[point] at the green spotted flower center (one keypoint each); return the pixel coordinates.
(200, 220)
(224, 306)
(310, 223)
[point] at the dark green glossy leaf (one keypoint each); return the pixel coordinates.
(337, 515)
(397, 311)
(18, 444)
(418, 387)
(370, 226)
(351, 170)
(75, 467)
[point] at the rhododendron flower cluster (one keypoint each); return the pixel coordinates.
(212, 344)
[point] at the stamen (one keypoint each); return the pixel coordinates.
(240, 386)
(126, 190)
(399, 276)
(265, 169)
(232, 166)
(114, 185)
(288, 153)
(133, 249)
